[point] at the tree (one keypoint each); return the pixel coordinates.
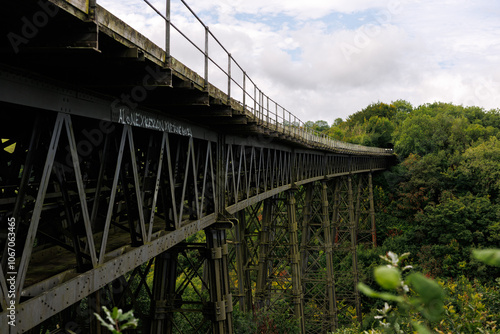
(337, 121)
(375, 109)
(480, 168)
(413, 136)
(379, 131)
(321, 126)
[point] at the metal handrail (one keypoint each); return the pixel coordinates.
(280, 120)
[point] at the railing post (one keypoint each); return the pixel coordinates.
(283, 119)
(254, 100)
(167, 33)
(92, 7)
(267, 110)
(206, 57)
(261, 106)
(229, 79)
(289, 123)
(244, 89)
(276, 114)
(295, 129)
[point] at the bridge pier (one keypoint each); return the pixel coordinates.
(297, 289)
(279, 288)
(243, 261)
(221, 302)
(191, 287)
(164, 298)
(318, 275)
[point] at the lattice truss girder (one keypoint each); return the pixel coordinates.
(98, 199)
(250, 171)
(100, 188)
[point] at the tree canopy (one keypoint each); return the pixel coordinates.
(443, 196)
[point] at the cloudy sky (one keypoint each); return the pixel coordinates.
(325, 59)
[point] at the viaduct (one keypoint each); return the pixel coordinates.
(128, 179)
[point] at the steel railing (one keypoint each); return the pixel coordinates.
(265, 110)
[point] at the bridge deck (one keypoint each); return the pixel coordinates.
(104, 56)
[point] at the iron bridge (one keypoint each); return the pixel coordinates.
(128, 179)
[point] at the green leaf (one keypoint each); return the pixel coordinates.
(109, 316)
(488, 256)
(365, 289)
(426, 288)
(115, 313)
(403, 257)
(126, 316)
(388, 278)
(104, 323)
(430, 294)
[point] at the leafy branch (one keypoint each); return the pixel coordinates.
(427, 298)
(117, 321)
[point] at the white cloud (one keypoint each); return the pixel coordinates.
(324, 59)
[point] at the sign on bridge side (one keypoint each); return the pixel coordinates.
(148, 120)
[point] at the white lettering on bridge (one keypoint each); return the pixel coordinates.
(151, 121)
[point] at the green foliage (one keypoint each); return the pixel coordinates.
(489, 256)
(264, 322)
(443, 198)
(470, 307)
(116, 321)
(379, 132)
(441, 127)
(479, 168)
(440, 202)
(430, 296)
(320, 126)
(378, 109)
(426, 296)
(372, 126)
